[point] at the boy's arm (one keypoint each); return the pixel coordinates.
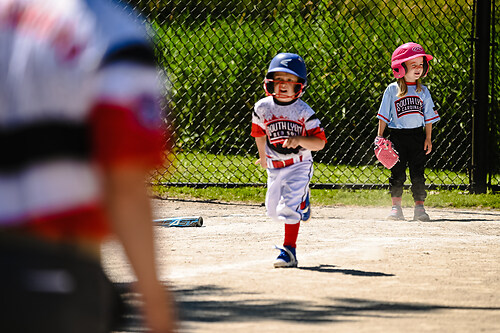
(428, 138)
(312, 143)
(261, 146)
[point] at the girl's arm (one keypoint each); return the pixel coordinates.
(428, 138)
(381, 127)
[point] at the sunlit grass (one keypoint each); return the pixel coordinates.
(327, 197)
(231, 169)
(197, 168)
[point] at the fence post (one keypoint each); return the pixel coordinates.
(480, 102)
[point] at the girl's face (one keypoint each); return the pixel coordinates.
(414, 69)
(284, 86)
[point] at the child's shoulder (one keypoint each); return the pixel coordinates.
(393, 86)
(265, 102)
(300, 104)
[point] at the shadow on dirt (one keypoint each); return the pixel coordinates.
(459, 220)
(206, 304)
(481, 212)
(332, 269)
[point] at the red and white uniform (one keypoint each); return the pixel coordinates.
(76, 97)
(279, 122)
(289, 171)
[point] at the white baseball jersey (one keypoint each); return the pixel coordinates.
(75, 92)
(279, 122)
(411, 111)
(289, 171)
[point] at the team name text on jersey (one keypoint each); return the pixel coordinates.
(408, 105)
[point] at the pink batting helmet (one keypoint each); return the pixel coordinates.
(407, 52)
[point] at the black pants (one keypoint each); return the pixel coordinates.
(52, 288)
(409, 143)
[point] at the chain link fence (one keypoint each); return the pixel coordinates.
(215, 55)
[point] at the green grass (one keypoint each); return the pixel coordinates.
(320, 197)
(210, 168)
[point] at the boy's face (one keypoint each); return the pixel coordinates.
(284, 86)
(414, 69)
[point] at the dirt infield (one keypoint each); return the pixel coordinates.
(357, 272)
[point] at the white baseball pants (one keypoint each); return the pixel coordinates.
(286, 189)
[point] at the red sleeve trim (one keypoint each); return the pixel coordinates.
(317, 132)
(257, 131)
(384, 118)
(437, 117)
(119, 137)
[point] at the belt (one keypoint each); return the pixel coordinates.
(277, 164)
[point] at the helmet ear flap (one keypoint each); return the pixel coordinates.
(299, 87)
(269, 87)
(399, 71)
(269, 84)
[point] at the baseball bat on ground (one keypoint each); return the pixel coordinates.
(184, 221)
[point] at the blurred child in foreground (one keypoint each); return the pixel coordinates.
(80, 127)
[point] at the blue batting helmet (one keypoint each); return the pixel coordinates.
(289, 63)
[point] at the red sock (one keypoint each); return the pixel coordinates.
(291, 234)
(396, 201)
(419, 203)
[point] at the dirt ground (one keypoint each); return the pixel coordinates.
(357, 271)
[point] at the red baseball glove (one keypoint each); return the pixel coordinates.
(385, 153)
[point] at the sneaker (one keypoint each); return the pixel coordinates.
(305, 208)
(396, 214)
(420, 214)
(286, 258)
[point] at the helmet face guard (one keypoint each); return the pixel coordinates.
(407, 52)
(269, 84)
(288, 63)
